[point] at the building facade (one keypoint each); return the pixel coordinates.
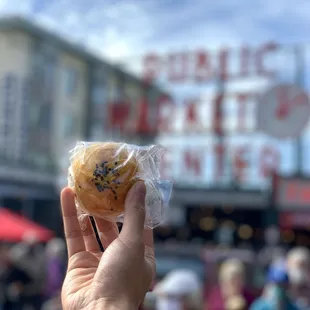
(52, 93)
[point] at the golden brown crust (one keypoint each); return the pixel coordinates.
(103, 173)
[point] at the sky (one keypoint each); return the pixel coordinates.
(124, 30)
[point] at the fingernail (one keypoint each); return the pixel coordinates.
(83, 221)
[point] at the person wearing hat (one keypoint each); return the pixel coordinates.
(275, 294)
(181, 289)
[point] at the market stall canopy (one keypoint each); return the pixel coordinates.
(14, 227)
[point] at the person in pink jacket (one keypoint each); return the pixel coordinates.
(231, 291)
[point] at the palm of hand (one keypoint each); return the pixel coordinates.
(83, 284)
(122, 274)
(77, 287)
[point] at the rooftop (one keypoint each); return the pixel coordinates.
(36, 30)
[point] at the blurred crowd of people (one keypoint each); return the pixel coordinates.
(287, 286)
(31, 277)
(31, 274)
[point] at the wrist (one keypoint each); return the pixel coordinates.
(111, 305)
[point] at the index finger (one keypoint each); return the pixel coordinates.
(73, 232)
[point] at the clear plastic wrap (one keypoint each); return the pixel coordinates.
(101, 174)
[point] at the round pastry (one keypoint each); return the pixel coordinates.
(102, 175)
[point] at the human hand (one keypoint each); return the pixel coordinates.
(120, 277)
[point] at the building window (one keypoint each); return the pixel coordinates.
(34, 116)
(68, 125)
(71, 81)
(99, 75)
(49, 81)
(45, 117)
(98, 94)
(97, 130)
(9, 101)
(25, 104)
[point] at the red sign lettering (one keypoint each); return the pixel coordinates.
(241, 163)
(223, 65)
(217, 118)
(178, 67)
(182, 66)
(192, 163)
(291, 192)
(143, 126)
(245, 61)
(151, 67)
(241, 101)
(294, 193)
(192, 119)
(118, 115)
(219, 155)
(166, 109)
(269, 160)
(305, 194)
(202, 67)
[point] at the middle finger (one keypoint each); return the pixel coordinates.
(108, 231)
(90, 240)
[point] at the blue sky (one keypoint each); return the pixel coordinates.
(123, 28)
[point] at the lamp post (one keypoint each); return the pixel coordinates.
(299, 53)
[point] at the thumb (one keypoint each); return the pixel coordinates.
(133, 226)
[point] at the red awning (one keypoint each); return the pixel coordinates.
(14, 227)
